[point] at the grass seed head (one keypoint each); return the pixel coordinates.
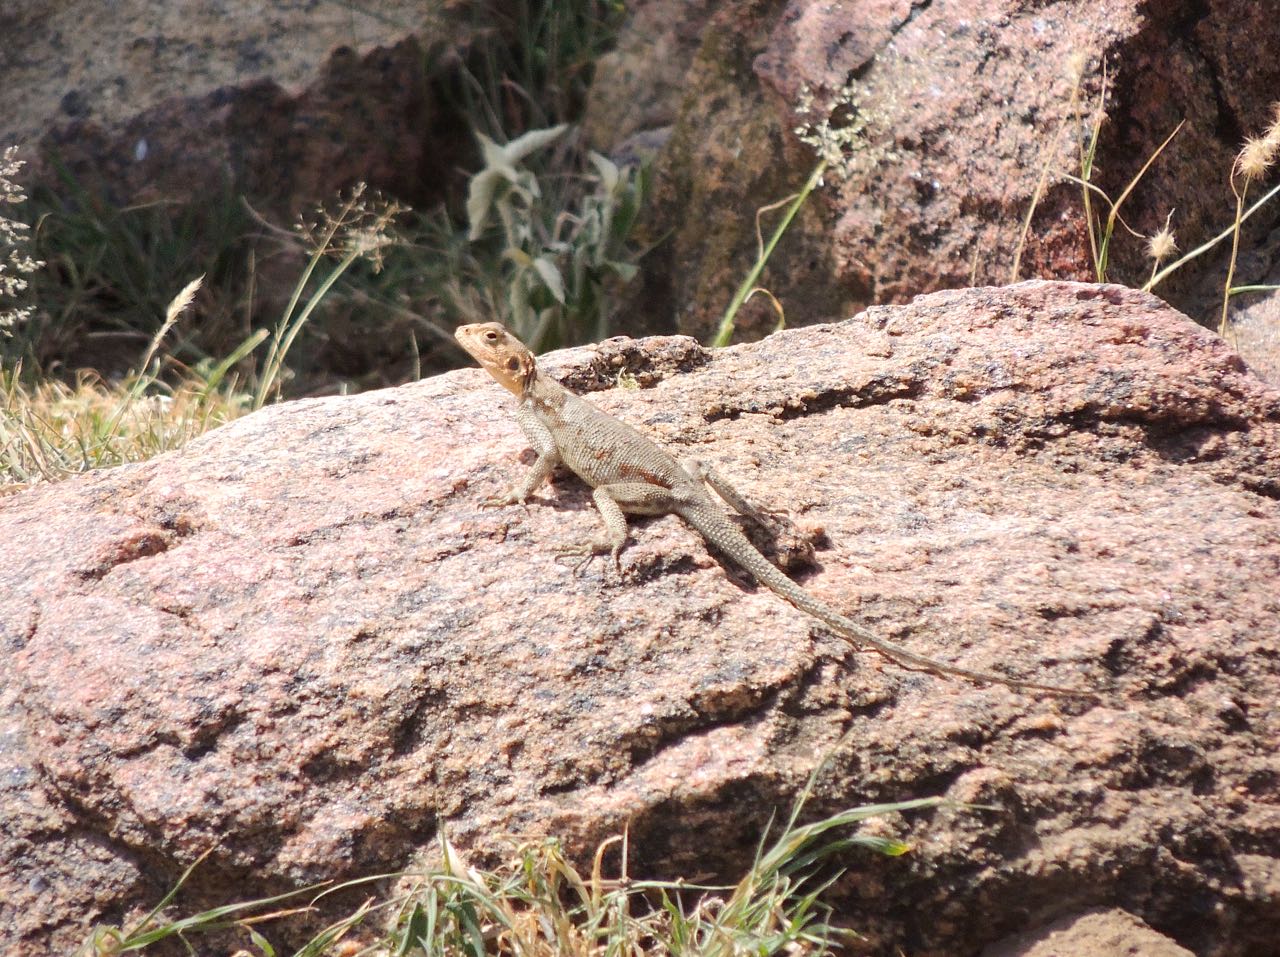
(1256, 157)
(1076, 65)
(1161, 245)
(1273, 131)
(15, 262)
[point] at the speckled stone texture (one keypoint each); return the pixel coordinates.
(302, 641)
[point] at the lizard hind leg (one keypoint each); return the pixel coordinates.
(613, 502)
(770, 531)
(700, 471)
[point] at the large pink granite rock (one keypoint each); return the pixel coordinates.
(302, 641)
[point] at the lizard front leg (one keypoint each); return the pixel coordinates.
(544, 443)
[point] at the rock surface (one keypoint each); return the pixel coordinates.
(282, 100)
(302, 640)
(113, 61)
(1106, 933)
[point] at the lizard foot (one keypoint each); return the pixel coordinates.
(584, 552)
(499, 501)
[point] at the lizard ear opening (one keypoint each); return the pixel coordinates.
(513, 364)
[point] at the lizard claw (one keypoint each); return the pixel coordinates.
(576, 558)
(581, 550)
(585, 552)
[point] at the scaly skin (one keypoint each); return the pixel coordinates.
(630, 473)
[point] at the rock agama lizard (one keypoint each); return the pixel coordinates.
(630, 473)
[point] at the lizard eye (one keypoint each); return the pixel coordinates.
(491, 335)
(513, 363)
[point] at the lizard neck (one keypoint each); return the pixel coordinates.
(527, 379)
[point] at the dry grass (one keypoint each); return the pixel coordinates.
(52, 429)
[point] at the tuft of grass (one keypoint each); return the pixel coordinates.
(1102, 231)
(1253, 162)
(51, 429)
(748, 288)
(539, 904)
(846, 129)
(1255, 158)
(109, 270)
(528, 64)
(360, 228)
(1228, 233)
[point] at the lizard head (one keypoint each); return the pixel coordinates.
(499, 353)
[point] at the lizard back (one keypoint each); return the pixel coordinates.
(600, 449)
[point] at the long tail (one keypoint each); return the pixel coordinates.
(726, 537)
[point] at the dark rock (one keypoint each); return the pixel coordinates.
(970, 102)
